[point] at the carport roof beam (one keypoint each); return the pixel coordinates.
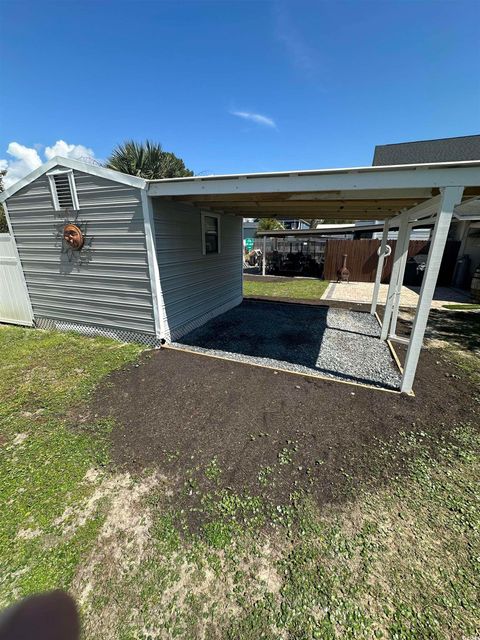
(422, 210)
(379, 192)
(393, 177)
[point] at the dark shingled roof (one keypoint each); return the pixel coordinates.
(444, 150)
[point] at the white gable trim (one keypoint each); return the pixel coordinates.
(70, 163)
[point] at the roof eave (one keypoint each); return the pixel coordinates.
(78, 165)
(312, 172)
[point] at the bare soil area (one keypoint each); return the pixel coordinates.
(181, 412)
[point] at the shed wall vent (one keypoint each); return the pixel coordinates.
(64, 193)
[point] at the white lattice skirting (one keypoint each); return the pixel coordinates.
(123, 335)
(126, 335)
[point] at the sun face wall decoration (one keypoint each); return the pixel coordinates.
(73, 237)
(74, 243)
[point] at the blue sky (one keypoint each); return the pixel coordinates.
(328, 80)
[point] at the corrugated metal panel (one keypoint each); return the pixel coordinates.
(107, 283)
(14, 303)
(195, 285)
(416, 234)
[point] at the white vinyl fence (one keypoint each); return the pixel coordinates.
(15, 304)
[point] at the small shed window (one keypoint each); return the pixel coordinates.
(64, 193)
(210, 233)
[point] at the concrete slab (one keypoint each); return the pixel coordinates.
(362, 292)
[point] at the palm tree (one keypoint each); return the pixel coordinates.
(146, 160)
(269, 224)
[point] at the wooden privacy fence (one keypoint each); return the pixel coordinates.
(362, 259)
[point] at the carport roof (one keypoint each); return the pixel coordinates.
(354, 193)
(359, 193)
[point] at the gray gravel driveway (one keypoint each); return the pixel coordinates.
(332, 342)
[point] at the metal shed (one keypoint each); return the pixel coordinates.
(161, 257)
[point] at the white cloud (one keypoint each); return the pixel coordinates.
(25, 159)
(258, 118)
(62, 148)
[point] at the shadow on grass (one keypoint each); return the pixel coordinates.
(461, 328)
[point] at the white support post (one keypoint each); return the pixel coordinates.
(398, 289)
(451, 196)
(397, 274)
(378, 275)
(264, 256)
(160, 317)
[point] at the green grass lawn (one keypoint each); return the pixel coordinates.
(43, 377)
(303, 289)
(397, 559)
(462, 306)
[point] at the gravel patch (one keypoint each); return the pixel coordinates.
(337, 343)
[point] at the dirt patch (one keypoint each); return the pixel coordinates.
(270, 432)
(120, 546)
(19, 439)
(28, 534)
(119, 490)
(130, 562)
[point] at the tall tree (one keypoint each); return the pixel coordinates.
(146, 160)
(269, 224)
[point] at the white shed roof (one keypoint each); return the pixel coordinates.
(70, 163)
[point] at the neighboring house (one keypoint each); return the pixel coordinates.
(250, 226)
(289, 223)
(462, 148)
(441, 150)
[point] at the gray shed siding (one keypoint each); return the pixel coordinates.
(107, 283)
(195, 287)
